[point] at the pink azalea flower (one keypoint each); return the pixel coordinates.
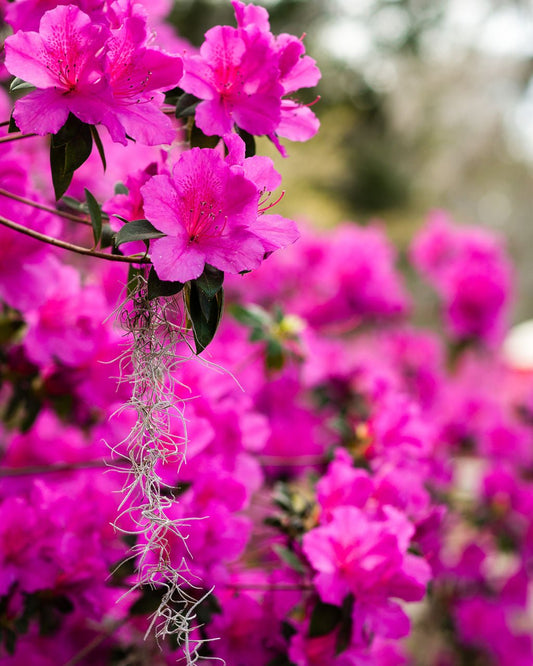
(65, 60)
(210, 212)
(365, 557)
(137, 75)
(238, 79)
(101, 75)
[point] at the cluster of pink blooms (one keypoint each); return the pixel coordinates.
(366, 500)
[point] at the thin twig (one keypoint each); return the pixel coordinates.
(40, 206)
(291, 461)
(61, 467)
(133, 259)
(15, 137)
(280, 587)
(97, 640)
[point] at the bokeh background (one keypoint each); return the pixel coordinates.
(423, 103)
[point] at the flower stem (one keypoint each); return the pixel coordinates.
(133, 259)
(15, 136)
(48, 209)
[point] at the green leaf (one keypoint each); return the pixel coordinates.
(19, 85)
(204, 313)
(157, 287)
(210, 281)
(108, 236)
(69, 149)
(250, 315)
(198, 139)
(289, 557)
(120, 188)
(344, 635)
(249, 142)
(275, 357)
(137, 230)
(12, 127)
(133, 274)
(148, 602)
(172, 96)
(10, 640)
(99, 145)
(95, 213)
(73, 203)
(324, 619)
(186, 105)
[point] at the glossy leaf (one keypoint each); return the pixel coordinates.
(210, 281)
(95, 213)
(69, 149)
(137, 230)
(99, 145)
(157, 287)
(204, 313)
(324, 619)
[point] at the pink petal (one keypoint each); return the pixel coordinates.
(42, 112)
(161, 202)
(275, 231)
(175, 260)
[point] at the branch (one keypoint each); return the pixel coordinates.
(281, 587)
(48, 209)
(97, 640)
(133, 259)
(61, 467)
(15, 137)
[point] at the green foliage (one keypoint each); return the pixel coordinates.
(69, 149)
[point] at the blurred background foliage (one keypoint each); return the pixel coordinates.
(423, 103)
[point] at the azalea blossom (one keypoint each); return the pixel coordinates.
(244, 75)
(210, 211)
(100, 75)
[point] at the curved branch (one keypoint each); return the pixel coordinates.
(48, 209)
(133, 259)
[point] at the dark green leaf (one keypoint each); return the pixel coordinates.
(12, 127)
(210, 281)
(19, 85)
(281, 660)
(10, 640)
(148, 602)
(107, 236)
(186, 105)
(157, 287)
(99, 145)
(172, 96)
(63, 604)
(344, 636)
(198, 139)
(249, 142)
(120, 188)
(324, 619)
(133, 279)
(137, 230)
(204, 313)
(78, 149)
(289, 557)
(95, 213)
(69, 149)
(275, 357)
(287, 630)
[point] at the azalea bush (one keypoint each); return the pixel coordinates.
(223, 437)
